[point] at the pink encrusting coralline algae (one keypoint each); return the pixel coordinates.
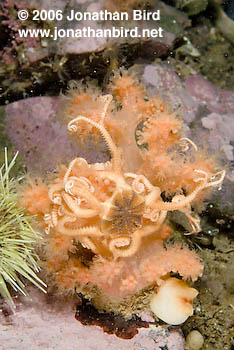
(19, 50)
(106, 224)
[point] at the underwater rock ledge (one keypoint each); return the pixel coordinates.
(52, 325)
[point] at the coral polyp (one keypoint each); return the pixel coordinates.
(106, 222)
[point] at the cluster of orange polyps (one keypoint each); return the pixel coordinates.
(106, 222)
(133, 209)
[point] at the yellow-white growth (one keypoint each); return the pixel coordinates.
(173, 301)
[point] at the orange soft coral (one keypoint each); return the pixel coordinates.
(175, 259)
(36, 199)
(125, 88)
(161, 132)
(107, 222)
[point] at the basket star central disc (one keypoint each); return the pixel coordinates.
(124, 213)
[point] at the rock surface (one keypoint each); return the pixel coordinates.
(37, 133)
(206, 110)
(172, 21)
(42, 324)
